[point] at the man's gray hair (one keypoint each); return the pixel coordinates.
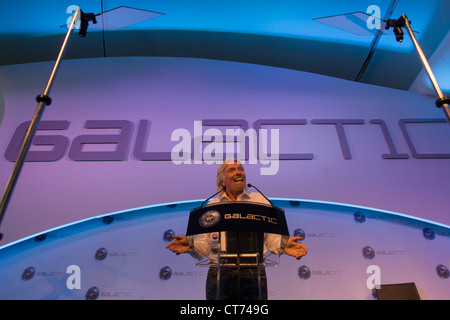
(221, 170)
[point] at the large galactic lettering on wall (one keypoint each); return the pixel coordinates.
(60, 144)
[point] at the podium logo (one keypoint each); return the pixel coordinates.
(209, 218)
(255, 217)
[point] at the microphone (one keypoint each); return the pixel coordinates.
(223, 188)
(252, 186)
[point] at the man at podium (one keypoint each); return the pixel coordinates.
(241, 283)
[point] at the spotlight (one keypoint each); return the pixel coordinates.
(397, 26)
(85, 18)
(398, 34)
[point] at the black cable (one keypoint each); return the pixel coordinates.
(103, 30)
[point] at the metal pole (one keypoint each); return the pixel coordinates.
(427, 67)
(43, 100)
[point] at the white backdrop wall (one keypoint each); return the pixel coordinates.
(105, 142)
(123, 256)
(172, 93)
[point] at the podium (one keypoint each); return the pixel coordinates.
(245, 224)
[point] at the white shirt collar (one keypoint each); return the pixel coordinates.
(243, 196)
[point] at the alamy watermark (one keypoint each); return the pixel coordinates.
(74, 279)
(374, 21)
(374, 280)
(72, 10)
(252, 145)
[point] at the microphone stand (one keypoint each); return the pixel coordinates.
(252, 186)
(43, 101)
(442, 102)
(203, 203)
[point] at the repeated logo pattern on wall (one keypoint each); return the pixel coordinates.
(123, 256)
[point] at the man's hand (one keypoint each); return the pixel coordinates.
(294, 248)
(179, 245)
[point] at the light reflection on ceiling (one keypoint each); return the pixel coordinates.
(282, 34)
